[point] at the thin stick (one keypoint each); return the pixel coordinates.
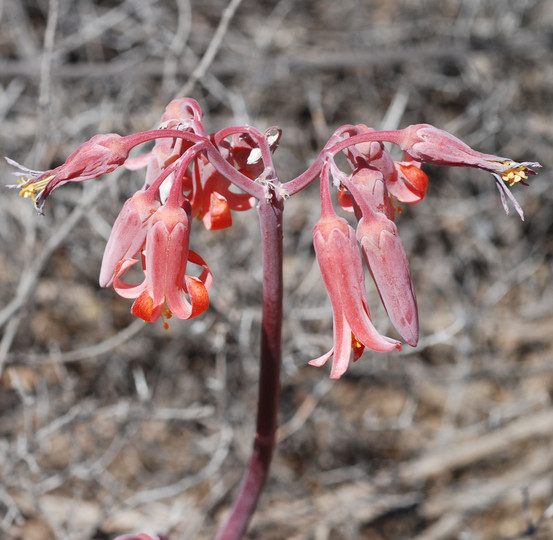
(214, 45)
(45, 90)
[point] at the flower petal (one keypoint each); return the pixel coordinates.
(128, 234)
(389, 267)
(124, 289)
(410, 184)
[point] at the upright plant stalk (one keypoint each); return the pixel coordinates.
(270, 216)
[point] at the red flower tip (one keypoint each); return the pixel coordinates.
(411, 184)
(143, 308)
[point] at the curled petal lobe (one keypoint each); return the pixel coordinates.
(126, 290)
(199, 299)
(144, 308)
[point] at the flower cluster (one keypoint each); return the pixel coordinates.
(192, 174)
(368, 191)
(154, 225)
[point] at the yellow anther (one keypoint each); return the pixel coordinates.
(355, 343)
(30, 191)
(515, 174)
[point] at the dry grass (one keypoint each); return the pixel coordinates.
(109, 425)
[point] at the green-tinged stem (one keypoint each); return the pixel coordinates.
(270, 215)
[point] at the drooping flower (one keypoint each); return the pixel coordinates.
(384, 253)
(342, 271)
(428, 144)
(130, 229)
(100, 155)
(166, 288)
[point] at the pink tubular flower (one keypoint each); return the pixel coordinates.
(342, 270)
(166, 283)
(100, 155)
(166, 286)
(428, 144)
(384, 253)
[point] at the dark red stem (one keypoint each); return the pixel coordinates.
(270, 215)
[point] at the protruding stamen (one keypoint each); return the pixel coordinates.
(515, 174)
(166, 314)
(33, 189)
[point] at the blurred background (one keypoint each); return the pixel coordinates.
(110, 425)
